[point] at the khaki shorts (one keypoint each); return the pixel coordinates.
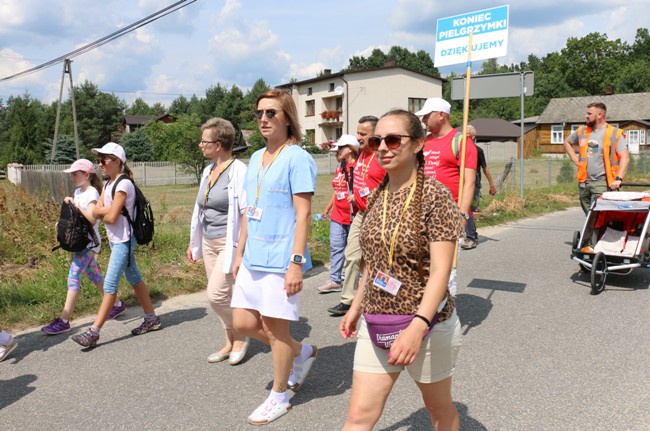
(435, 361)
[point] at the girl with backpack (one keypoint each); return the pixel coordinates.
(89, 186)
(111, 159)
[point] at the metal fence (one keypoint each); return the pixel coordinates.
(546, 172)
(170, 173)
(538, 173)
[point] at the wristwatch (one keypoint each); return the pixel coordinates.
(298, 259)
(465, 215)
(618, 179)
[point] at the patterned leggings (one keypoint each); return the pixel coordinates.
(84, 262)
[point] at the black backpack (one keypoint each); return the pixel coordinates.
(73, 231)
(142, 226)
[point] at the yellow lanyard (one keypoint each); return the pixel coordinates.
(259, 180)
(210, 186)
(366, 168)
(393, 239)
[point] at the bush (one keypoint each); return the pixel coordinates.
(567, 173)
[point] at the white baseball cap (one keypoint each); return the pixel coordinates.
(346, 141)
(111, 149)
(434, 104)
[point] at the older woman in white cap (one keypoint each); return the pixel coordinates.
(340, 209)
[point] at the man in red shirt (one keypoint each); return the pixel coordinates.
(367, 177)
(442, 157)
(441, 161)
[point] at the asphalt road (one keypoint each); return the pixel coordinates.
(539, 353)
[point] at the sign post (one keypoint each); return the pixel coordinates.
(471, 36)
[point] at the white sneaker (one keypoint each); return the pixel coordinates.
(5, 349)
(269, 411)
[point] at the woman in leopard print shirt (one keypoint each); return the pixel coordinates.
(409, 233)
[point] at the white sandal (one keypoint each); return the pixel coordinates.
(269, 411)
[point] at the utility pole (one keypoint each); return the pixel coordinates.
(67, 68)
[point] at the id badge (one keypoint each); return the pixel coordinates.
(341, 195)
(364, 192)
(387, 283)
(253, 213)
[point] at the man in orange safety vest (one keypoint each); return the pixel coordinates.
(602, 158)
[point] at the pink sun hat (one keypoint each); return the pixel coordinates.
(84, 165)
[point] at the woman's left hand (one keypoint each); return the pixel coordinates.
(406, 346)
(293, 279)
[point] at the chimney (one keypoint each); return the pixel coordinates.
(609, 90)
(327, 72)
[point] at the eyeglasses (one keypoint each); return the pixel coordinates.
(202, 142)
(270, 113)
(392, 141)
(103, 161)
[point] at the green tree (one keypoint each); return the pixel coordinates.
(420, 61)
(179, 106)
(23, 130)
(592, 62)
(137, 145)
(98, 115)
(178, 142)
(139, 107)
(66, 150)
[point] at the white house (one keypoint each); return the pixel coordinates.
(332, 104)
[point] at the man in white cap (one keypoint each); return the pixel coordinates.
(442, 158)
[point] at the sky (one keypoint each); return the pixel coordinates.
(236, 42)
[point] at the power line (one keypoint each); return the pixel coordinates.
(104, 40)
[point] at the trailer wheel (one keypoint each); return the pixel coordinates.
(598, 273)
(576, 239)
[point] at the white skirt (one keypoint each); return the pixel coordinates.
(264, 292)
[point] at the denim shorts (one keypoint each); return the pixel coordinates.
(118, 265)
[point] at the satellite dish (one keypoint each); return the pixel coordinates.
(338, 90)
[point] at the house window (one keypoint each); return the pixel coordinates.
(642, 137)
(339, 104)
(416, 103)
(574, 127)
(331, 86)
(310, 108)
(557, 134)
(309, 91)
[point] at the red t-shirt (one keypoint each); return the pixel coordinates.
(441, 164)
(341, 209)
(367, 177)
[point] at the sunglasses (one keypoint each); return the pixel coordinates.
(270, 113)
(103, 161)
(392, 141)
(202, 142)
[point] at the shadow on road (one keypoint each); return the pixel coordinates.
(167, 319)
(38, 341)
(420, 421)
(14, 389)
(472, 310)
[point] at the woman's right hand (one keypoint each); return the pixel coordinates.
(348, 326)
(68, 199)
(189, 254)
